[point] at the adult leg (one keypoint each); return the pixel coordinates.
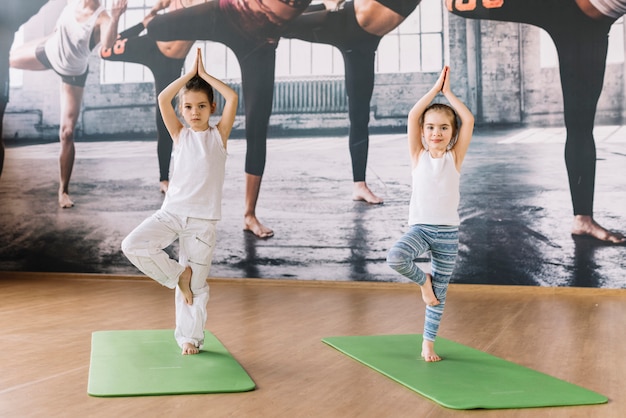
(257, 61)
(205, 21)
(25, 58)
(143, 50)
(340, 29)
(582, 62)
(197, 243)
(71, 99)
(359, 76)
(257, 71)
(581, 46)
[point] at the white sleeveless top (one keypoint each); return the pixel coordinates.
(68, 49)
(436, 195)
(610, 8)
(195, 188)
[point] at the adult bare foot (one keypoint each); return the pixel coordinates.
(189, 348)
(584, 225)
(163, 185)
(363, 193)
(65, 201)
(428, 351)
(184, 284)
(252, 224)
(428, 294)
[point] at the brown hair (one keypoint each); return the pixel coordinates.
(197, 83)
(454, 119)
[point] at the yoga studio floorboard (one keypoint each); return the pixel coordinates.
(274, 330)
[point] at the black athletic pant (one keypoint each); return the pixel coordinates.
(340, 29)
(143, 50)
(256, 57)
(581, 43)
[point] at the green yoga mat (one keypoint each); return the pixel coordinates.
(466, 378)
(149, 362)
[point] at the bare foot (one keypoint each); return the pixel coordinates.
(428, 351)
(363, 193)
(65, 201)
(189, 348)
(163, 185)
(252, 224)
(586, 226)
(184, 283)
(428, 294)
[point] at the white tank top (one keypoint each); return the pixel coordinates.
(610, 8)
(436, 195)
(195, 188)
(68, 49)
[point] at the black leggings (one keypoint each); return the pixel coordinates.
(581, 43)
(143, 50)
(256, 58)
(358, 48)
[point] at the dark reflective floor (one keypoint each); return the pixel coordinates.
(515, 210)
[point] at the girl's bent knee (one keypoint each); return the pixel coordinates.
(396, 259)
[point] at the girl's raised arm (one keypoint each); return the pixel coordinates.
(414, 128)
(464, 135)
(231, 99)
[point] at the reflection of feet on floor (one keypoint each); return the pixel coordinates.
(189, 348)
(363, 193)
(253, 225)
(163, 185)
(65, 201)
(585, 226)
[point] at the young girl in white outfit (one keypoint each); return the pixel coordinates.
(437, 146)
(192, 204)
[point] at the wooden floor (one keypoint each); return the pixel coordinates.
(274, 328)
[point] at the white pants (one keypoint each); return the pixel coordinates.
(196, 238)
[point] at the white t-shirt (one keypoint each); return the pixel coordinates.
(195, 187)
(68, 48)
(436, 194)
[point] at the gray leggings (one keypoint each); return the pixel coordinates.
(443, 243)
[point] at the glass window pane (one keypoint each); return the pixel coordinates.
(410, 56)
(233, 71)
(548, 57)
(283, 53)
(16, 77)
(616, 43)
(432, 16)
(214, 56)
(300, 61)
(322, 61)
(412, 23)
(133, 73)
(432, 52)
(388, 55)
